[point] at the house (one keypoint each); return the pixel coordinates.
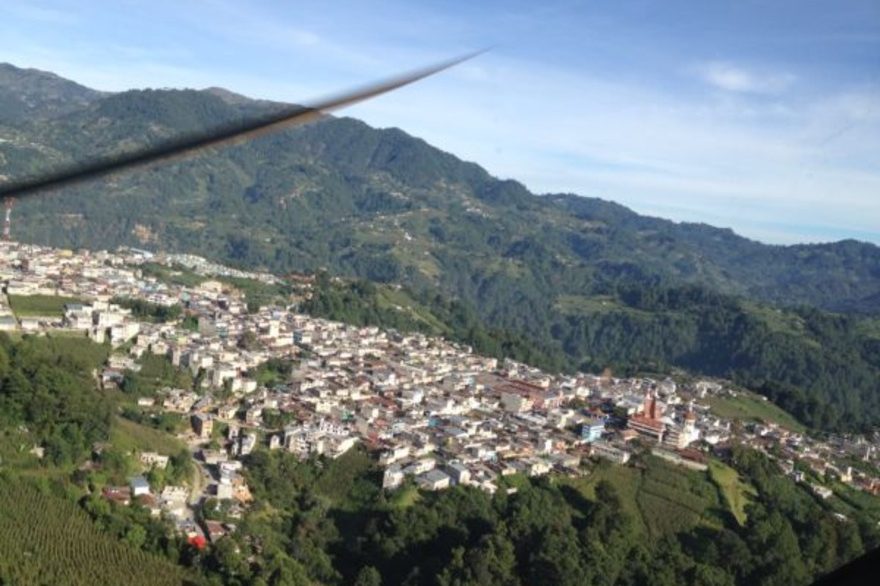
(139, 486)
(225, 491)
(592, 429)
(118, 494)
(393, 454)
(175, 496)
(227, 411)
(610, 452)
(254, 415)
(153, 460)
(420, 466)
(247, 443)
(392, 477)
(214, 530)
(516, 402)
(214, 457)
(822, 492)
(459, 473)
(434, 480)
(536, 467)
(203, 425)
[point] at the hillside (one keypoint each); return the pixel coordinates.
(563, 271)
(29, 94)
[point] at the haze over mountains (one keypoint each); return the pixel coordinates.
(587, 280)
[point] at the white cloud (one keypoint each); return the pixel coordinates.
(734, 78)
(653, 149)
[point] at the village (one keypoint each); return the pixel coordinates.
(432, 412)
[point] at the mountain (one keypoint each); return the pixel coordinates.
(29, 93)
(589, 282)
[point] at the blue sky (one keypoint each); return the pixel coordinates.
(763, 116)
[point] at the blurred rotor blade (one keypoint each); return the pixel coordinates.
(228, 134)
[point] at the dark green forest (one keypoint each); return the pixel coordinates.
(327, 522)
(48, 390)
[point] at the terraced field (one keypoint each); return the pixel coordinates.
(750, 407)
(39, 305)
(660, 497)
(45, 539)
(736, 493)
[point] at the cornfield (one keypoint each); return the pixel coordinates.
(45, 539)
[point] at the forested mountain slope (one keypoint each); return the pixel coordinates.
(586, 280)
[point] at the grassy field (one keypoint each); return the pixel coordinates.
(737, 494)
(390, 298)
(870, 328)
(130, 436)
(625, 479)
(15, 446)
(39, 305)
(405, 497)
(854, 503)
(660, 497)
(177, 276)
(777, 320)
(45, 539)
(258, 293)
(581, 304)
(749, 407)
(343, 481)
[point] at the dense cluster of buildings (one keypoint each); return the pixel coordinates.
(432, 411)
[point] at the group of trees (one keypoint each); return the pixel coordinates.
(360, 302)
(330, 524)
(46, 386)
(156, 372)
(147, 311)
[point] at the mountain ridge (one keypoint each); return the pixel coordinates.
(839, 276)
(588, 280)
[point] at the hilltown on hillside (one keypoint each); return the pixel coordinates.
(430, 410)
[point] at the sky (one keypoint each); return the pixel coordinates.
(758, 115)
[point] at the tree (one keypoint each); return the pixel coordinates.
(368, 576)
(248, 341)
(135, 536)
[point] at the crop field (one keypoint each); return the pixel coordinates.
(736, 493)
(660, 497)
(130, 436)
(176, 276)
(673, 499)
(748, 407)
(39, 305)
(45, 539)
